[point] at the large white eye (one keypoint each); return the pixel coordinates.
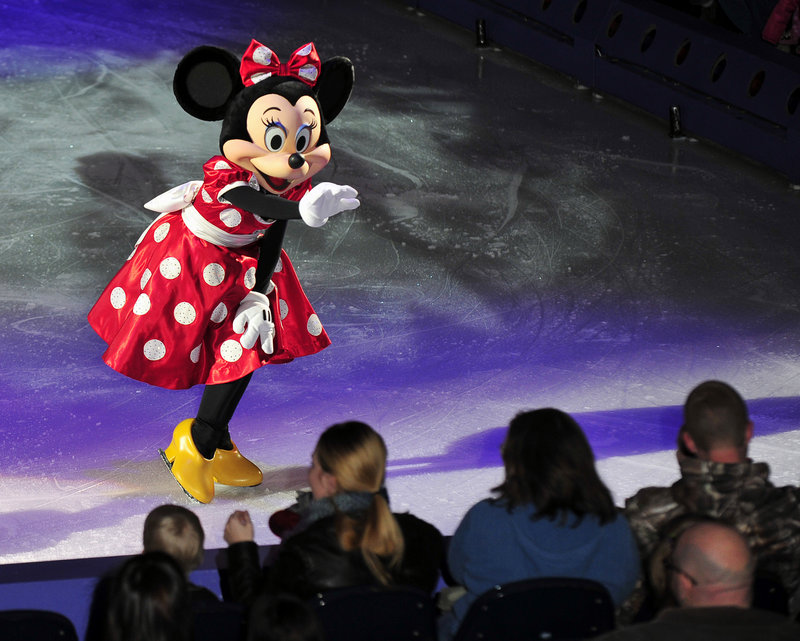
(274, 138)
(303, 139)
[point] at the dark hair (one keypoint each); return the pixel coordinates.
(282, 617)
(715, 414)
(550, 464)
(148, 601)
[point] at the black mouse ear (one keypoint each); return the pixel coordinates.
(334, 86)
(205, 82)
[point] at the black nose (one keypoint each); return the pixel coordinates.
(296, 161)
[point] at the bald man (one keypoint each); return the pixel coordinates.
(711, 577)
(720, 481)
(711, 566)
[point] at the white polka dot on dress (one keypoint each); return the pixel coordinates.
(161, 232)
(170, 268)
(220, 313)
(314, 325)
(154, 350)
(214, 274)
(279, 266)
(185, 313)
(142, 305)
(250, 278)
(284, 308)
(206, 196)
(231, 350)
(117, 298)
(230, 217)
(221, 165)
(146, 274)
(194, 355)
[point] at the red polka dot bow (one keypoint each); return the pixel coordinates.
(260, 62)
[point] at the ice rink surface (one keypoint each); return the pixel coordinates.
(520, 243)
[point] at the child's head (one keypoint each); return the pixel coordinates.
(283, 617)
(148, 599)
(177, 531)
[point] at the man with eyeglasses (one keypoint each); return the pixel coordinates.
(710, 573)
(719, 480)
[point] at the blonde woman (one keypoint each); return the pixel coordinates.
(345, 534)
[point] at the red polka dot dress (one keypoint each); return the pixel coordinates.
(167, 315)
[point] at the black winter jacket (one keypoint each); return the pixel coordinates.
(312, 561)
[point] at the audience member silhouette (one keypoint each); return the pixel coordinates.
(283, 617)
(177, 531)
(345, 533)
(168, 529)
(718, 480)
(148, 601)
(710, 573)
(783, 25)
(553, 517)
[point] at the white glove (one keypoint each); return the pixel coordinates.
(326, 200)
(254, 320)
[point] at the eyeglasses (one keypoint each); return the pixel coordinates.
(670, 566)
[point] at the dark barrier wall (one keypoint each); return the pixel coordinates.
(559, 34)
(733, 89)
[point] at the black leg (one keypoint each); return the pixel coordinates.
(219, 402)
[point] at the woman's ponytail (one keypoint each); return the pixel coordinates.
(356, 456)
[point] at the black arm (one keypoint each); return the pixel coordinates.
(245, 578)
(268, 207)
(270, 252)
(264, 205)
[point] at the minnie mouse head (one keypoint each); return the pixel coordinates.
(273, 114)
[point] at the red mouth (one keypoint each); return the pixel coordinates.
(278, 184)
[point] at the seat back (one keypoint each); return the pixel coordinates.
(214, 621)
(769, 594)
(36, 625)
(544, 608)
(370, 613)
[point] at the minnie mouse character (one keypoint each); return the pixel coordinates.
(208, 294)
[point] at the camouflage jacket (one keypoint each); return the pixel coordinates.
(737, 493)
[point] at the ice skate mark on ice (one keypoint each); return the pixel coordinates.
(416, 181)
(513, 200)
